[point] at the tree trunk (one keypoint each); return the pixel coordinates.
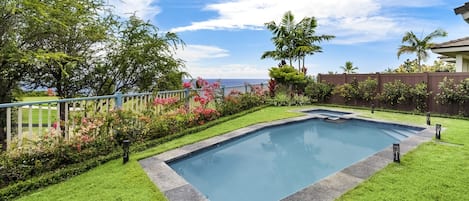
(299, 65)
(4, 98)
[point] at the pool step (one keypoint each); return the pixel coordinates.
(395, 134)
(406, 133)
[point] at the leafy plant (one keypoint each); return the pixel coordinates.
(420, 95)
(448, 92)
(300, 100)
(395, 93)
(319, 91)
(367, 89)
(281, 99)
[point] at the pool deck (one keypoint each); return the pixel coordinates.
(175, 188)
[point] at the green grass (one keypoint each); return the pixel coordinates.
(114, 181)
(433, 171)
(35, 115)
(38, 98)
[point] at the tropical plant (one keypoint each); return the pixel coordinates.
(367, 89)
(319, 91)
(293, 41)
(287, 75)
(349, 68)
(420, 95)
(396, 92)
(419, 46)
(348, 91)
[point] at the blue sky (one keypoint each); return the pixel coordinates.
(225, 38)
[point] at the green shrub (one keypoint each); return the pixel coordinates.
(319, 91)
(395, 93)
(300, 100)
(347, 91)
(420, 95)
(448, 92)
(367, 89)
(281, 99)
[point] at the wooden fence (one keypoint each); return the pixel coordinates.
(431, 79)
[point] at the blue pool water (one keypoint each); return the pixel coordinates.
(329, 113)
(274, 162)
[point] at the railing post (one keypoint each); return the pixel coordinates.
(187, 100)
(118, 100)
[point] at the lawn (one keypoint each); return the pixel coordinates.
(434, 171)
(38, 98)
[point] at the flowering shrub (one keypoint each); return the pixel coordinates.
(101, 136)
(272, 87)
(319, 91)
(396, 92)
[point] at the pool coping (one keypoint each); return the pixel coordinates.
(176, 188)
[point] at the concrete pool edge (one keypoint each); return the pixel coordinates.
(174, 187)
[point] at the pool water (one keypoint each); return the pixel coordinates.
(274, 162)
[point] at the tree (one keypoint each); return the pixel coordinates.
(10, 55)
(68, 43)
(349, 68)
(293, 41)
(419, 46)
(140, 59)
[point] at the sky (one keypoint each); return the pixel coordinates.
(226, 38)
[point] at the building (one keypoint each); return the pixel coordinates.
(455, 51)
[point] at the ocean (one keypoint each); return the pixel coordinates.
(235, 82)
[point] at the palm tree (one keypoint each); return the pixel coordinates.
(418, 45)
(305, 39)
(349, 68)
(293, 41)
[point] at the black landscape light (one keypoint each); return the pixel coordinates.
(438, 131)
(428, 118)
(396, 152)
(372, 108)
(125, 147)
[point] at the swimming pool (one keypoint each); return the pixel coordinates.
(274, 162)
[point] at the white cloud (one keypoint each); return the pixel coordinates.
(245, 71)
(198, 59)
(144, 9)
(352, 21)
(194, 53)
(411, 3)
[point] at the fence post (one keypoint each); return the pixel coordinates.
(118, 100)
(378, 79)
(427, 81)
(187, 100)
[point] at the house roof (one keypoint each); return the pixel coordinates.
(462, 9)
(461, 42)
(453, 48)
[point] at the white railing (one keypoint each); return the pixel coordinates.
(46, 114)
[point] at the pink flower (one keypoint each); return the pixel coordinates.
(54, 125)
(187, 85)
(216, 85)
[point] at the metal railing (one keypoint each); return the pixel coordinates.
(27, 120)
